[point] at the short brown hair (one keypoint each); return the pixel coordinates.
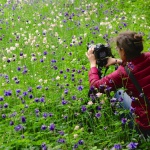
(131, 42)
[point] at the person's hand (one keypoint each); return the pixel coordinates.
(113, 61)
(91, 57)
(110, 61)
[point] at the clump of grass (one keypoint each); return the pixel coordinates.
(44, 74)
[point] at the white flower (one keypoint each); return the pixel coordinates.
(17, 44)
(90, 103)
(75, 136)
(40, 80)
(58, 78)
(76, 127)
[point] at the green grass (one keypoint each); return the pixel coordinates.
(47, 41)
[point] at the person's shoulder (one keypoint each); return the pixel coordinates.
(146, 54)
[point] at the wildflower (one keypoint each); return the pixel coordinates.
(90, 103)
(18, 127)
(3, 116)
(1, 98)
(43, 127)
(52, 127)
(66, 91)
(74, 97)
(113, 99)
(23, 119)
(36, 99)
(132, 109)
(124, 120)
(117, 147)
(5, 105)
(99, 94)
(83, 109)
(42, 99)
(45, 115)
(61, 141)
(61, 132)
(80, 87)
(43, 146)
(11, 123)
(132, 145)
(64, 102)
(18, 91)
(97, 115)
(80, 142)
(75, 146)
(76, 127)
(75, 136)
(8, 93)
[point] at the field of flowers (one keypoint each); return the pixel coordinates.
(44, 103)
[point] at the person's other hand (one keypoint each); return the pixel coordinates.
(91, 57)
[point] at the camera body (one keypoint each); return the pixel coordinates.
(101, 53)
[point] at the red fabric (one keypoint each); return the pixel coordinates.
(141, 69)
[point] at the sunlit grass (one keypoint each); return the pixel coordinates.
(44, 73)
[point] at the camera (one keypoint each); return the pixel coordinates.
(101, 53)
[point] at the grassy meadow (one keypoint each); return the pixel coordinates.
(44, 74)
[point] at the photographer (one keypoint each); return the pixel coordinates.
(129, 46)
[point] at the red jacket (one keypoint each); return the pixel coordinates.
(140, 67)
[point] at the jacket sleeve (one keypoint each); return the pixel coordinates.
(110, 82)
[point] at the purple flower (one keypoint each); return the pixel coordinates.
(1, 98)
(64, 102)
(45, 115)
(61, 141)
(30, 89)
(18, 91)
(23, 119)
(80, 142)
(43, 127)
(42, 99)
(97, 115)
(52, 127)
(113, 99)
(132, 145)
(11, 123)
(117, 147)
(74, 97)
(66, 91)
(45, 52)
(132, 109)
(5, 105)
(8, 93)
(80, 87)
(36, 99)
(18, 127)
(3, 116)
(61, 132)
(124, 120)
(43, 146)
(83, 108)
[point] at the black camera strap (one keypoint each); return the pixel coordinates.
(137, 85)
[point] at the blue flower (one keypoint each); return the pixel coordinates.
(52, 127)
(132, 145)
(97, 115)
(124, 120)
(23, 119)
(80, 87)
(83, 108)
(18, 127)
(117, 147)
(80, 142)
(61, 141)
(43, 127)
